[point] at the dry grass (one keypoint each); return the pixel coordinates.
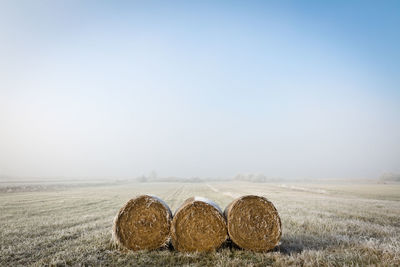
(322, 225)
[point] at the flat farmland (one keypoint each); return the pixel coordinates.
(323, 224)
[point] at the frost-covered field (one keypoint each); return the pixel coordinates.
(331, 224)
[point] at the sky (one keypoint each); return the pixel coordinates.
(118, 89)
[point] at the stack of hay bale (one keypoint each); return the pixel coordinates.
(146, 222)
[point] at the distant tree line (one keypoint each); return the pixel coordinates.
(390, 177)
(152, 178)
(251, 177)
(255, 178)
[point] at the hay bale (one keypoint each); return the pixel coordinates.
(198, 225)
(253, 223)
(143, 222)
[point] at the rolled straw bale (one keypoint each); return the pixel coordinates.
(143, 222)
(253, 223)
(198, 225)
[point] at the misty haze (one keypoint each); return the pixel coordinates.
(297, 103)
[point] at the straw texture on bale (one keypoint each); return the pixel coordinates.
(142, 223)
(253, 223)
(198, 225)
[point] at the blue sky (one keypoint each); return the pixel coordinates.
(296, 89)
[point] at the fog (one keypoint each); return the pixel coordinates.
(118, 90)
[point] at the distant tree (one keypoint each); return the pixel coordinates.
(153, 175)
(142, 179)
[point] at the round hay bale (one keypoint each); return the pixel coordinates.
(253, 223)
(143, 222)
(198, 225)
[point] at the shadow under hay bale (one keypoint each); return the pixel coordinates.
(253, 223)
(143, 223)
(297, 243)
(198, 225)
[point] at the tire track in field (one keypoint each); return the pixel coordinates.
(175, 198)
(225, 193)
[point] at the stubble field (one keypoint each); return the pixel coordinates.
(323, 224)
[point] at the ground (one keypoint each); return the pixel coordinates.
(45, 223)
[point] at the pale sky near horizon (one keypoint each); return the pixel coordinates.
(293, 89)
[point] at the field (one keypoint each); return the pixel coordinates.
(44, 223)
